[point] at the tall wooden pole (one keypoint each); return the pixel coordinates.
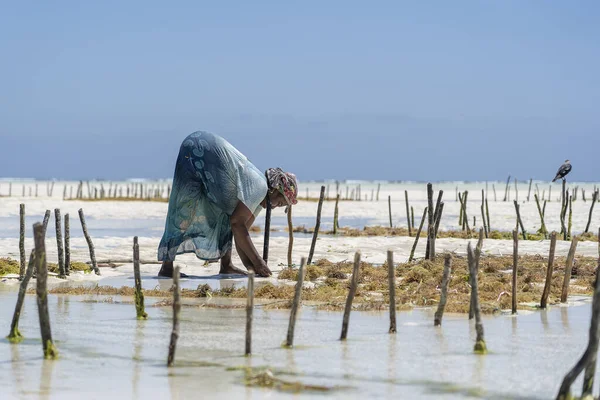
(50, 352)
(317, 226)
(249, 312)
(439, 314)
(22, 241)
(290, 237)
(14, 335)
(407, 213)
(549, 271)
(392, 289)
(351, 292)
(88, 239)
(176, 312)
(62, 273)
(267, 230)
(296, 303)
(480, 346)
(514, 274)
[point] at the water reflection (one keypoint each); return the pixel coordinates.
(46, 378)
(564, 318)
(137, 356)
(544, 318)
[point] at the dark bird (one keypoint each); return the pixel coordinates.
(563, 171)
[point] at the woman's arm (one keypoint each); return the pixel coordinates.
(240, 219)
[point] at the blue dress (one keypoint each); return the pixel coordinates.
(211, 177)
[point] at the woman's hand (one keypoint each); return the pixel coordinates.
(240, 219)
(261, 269)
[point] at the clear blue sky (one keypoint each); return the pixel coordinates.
(403, 90)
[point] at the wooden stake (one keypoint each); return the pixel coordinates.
(549, 271)
(463, 202)
(412, 217)
(516, 191)
(249, 311)
(494, 188)
(568, 268)
(392, 289)
(519, 220)
(296, 303)
(529, 192)
(336, 215)
(267, 230)
(430, 252)
(594, 199)
(15, 335)
(176, 312)
(438, 219)
(487, 214)
(67, 245)
(507, 188)
(317, 226)
(439, 314)
(485, 228)
(22, 241)
(588, 359)
(478, 250)
(378, 187)
(543, 229)
(570, 225)
(88, 239)
(514, 274)
(407, 213)
(412, 251)
(351, 292)
(50, 352)
(290, 237)
(480, 346)
(140, 311)
(45, 221)
(437, 216)
(62, 272)
(390, 210)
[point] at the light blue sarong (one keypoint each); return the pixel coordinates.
(211, 177)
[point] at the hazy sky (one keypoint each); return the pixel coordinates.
(403, 90)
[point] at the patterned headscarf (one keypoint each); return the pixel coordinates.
(285, 182)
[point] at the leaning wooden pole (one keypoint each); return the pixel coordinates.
(350, 298)
(140, 312)
(568, 269)
(414, 247)
(439, 314)
(480, 346)
(267, 230)
(588, 359)
(317, 226)
(289, 342)
(590, 370)
(62, 272)
(594, 199)
(549, 271)
(67, 245)
(392, 290)
(485, 227)
(176, 312)
(15, 335)
(90, 244)
(50, 352)
(290, 237)
(249, 313)
(519, 220)
(407, 213)
(507, 188)
(514, 271)
(22, 241)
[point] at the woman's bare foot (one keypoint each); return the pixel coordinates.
(166, 270)
(230, 269)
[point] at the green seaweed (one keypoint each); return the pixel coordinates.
(15, 336)
(480, 347)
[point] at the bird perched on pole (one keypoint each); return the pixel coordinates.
(563, 171)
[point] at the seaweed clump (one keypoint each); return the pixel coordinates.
(8, 266)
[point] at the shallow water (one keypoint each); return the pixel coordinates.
(105, 351)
